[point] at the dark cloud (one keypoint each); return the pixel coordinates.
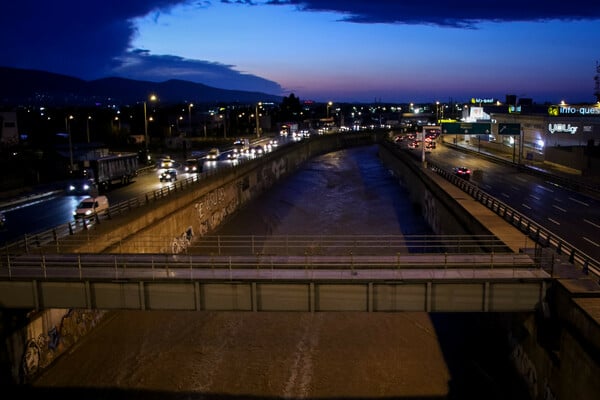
(72, 37)
(91, 39)
(460, 14)
(143, 66)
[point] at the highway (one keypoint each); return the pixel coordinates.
(55, 208)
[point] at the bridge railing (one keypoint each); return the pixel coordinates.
(288, 244)
(346, 244)
(165, 266)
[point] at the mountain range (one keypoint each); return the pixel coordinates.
(33, 87)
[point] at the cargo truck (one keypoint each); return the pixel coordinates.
(95, 175)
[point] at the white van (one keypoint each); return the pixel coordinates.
(91, 206)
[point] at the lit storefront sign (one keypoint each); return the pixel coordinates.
(562, 128)
(478, 100)
(573, 110)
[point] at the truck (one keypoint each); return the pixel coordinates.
(98, 174)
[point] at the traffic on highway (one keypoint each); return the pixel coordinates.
(58, 206)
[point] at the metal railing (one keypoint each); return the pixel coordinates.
(167, 266)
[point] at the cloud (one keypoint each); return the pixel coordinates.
(78, 38)
(459, 14)
(141, 65)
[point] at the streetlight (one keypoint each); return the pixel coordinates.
(259, 104)
(329, 104)
(152, 98)
(87, 127)
(68, 128)
(190, 116)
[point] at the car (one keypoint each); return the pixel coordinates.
(463, 172)
(213, 154)
(256, 151)
(165, 162)
(168, 175)
(192, 166)
(91, 207)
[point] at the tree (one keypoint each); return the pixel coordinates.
(290, 108)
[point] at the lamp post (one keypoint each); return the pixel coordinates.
(329, 104)
(190, 117)
(68, 128)
(423, 147)
(152, 98)
(259, 104)
(87, 127)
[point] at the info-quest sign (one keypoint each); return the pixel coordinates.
(563, 111)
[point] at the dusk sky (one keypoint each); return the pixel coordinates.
(322, 50)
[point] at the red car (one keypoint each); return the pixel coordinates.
(463, 172)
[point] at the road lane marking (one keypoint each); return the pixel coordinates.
(526, 206)
(591, 223)
(545, 188)
(505, 195)
(591, 241)
(559, 208)
(554, 221)
(579, 201)
(535, 197)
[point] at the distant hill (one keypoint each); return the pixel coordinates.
(23, 86)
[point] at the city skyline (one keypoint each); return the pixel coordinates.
(344, 51)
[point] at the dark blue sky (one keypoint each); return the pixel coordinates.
(346, 50)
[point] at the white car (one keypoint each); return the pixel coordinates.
(91, 206)
(213, 154)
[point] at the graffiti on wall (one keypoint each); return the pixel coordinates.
(525, 368)
(430, 212)
(212, 208)
(181, 243)
(41, 348)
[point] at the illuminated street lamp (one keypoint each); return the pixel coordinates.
(190, 117)
(87, 127)
(329, 104)
(152, 98)
(68, 128)
(259, 104)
